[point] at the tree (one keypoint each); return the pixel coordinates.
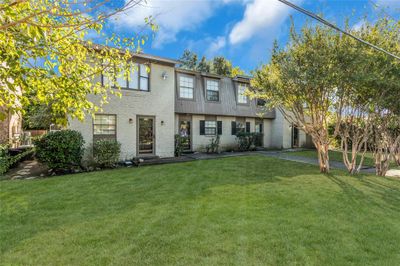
(221, 66)
(382, 83)
(218, 65)
(38, 117)
(46, 60)
(204, 65)
(299, 81)
(188, 60)
(323, 76)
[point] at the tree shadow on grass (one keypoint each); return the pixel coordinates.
(69, 200)
(373, 190)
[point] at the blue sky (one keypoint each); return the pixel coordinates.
(241, 30)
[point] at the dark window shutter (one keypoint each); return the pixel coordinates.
(248, 127)
(261, 128)
(233, 128)
(202, 127)
(219, 127)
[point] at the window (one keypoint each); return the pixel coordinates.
(104, 126)
(133, 80)
(121, 79)
(261, 102)
(144, 78)
(240, 125)
(210, 127)
(186, 87)
(241, 90)
(212, 90)
(138, 78)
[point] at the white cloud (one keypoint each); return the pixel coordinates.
(215, 46)
(172, 16)
(391, 4)
(358, 26)
(259, 17)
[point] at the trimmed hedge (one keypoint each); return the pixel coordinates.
(7, 161)
(106, 152)
(60, 149)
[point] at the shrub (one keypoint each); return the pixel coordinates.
(179, 144)
(60, 149)
(106, 152)
(213, 147)
(247, 141)
(7, 161)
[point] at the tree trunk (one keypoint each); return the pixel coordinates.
(323, 157)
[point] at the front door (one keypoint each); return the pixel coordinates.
(146, 135)
(295, 137)
(259, 130)
(184, 131)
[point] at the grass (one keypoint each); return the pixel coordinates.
(245, 210)
(335, 156)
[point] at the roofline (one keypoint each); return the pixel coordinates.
(156, 58)
(212, 75)
(141, 55)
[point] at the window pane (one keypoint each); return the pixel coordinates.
(144, 84)
(210, 131)
(143, 71)
(186, 81)
(134, 77)
(104, 125)
(186, 87)
(212, 85)
(212, 95)
(210, 123)
(241, 97)
(185, 92)
(121, 82)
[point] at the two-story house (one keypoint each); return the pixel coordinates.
(157, 104)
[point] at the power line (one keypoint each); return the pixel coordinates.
(327, 23)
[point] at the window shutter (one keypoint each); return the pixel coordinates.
(219, 127)
(261, 128)
(233, 128)
(248, 127)
(202, 127)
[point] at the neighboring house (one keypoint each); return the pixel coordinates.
(167, 101)
(10, 128)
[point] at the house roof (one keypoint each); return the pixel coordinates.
(140, 55)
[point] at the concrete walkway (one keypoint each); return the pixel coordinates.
(314, 161)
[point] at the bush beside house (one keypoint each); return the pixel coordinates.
(60, 150)
(106, 153)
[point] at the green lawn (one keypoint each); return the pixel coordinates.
(246, 211)
(335, 156)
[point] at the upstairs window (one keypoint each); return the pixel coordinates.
(242, 98)
(144, 78)
(212, 90)
(186, 87)
(136, 78)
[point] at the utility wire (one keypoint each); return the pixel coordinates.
(327, 23)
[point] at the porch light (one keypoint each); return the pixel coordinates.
(130, 121)
(162, 122)
(164, 75)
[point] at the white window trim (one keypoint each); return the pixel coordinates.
(241, 96)
(180, 87)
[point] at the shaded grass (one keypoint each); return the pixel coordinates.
(244, 210)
